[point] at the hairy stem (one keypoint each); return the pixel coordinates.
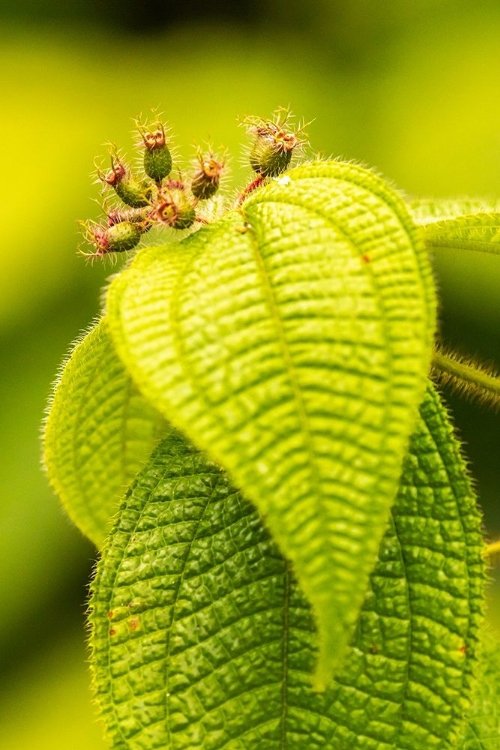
(467, 377)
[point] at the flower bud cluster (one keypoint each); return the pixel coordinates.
(152, 196)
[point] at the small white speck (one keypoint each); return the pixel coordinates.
(284, 180)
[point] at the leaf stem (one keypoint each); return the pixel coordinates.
(467, 376)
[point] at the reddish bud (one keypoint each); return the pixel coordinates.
(117, 172)
(117, 238)
(274, 144)
(174, 207)
(133, 192)
(206, 178)
(157, 156)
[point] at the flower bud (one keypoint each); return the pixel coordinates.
(157, 156)
(274, 144)
(133, 192)
(117, 238)
(206, 178)
(123, 236)
(141, 217)
(174, 208)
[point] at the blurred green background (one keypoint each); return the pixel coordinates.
(412, 88)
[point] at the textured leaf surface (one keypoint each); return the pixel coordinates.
(290, 341)
(202, 639)
(480, 232)
(429, 210)
(467, 224)
(483, 723)
(99, 432)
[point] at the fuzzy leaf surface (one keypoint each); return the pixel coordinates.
(290, 341)
(467, 224)
(202, 638)
(99, 432)
(429, 210)
(479, 231)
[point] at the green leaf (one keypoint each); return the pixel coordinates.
(99, 433)
(483, 723)
(290, 342)
(201, 637)
(479, 232)
(430, 210)
(469, 224)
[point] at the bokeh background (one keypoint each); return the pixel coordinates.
(412, 88)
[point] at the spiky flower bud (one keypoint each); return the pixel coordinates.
(133, 192)
(117, 238)
(174, 208)
(274, 144)
(206, 178)
(141, 217)
(123, 236)
(157, 156)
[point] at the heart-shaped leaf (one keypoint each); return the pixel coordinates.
(290, 341)
(202, 639)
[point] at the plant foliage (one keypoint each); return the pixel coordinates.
(299, 560)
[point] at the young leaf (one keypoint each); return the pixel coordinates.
(290, 341)
(468, 224)
(479, 232)
(98, 434)
(202, 639)
(429, 210)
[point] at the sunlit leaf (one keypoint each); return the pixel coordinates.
(99, 432)
(430, 210)
(202, 639)
(290, 340)
(479, 232)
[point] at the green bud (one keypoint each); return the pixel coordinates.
(114, 238)
(133, 192)
(141, 217)
(206, 179)
(274, 144)
(157, 156)
(269, 160)
(123, 236)
(174, 208)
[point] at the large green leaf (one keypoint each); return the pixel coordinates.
(202, 639)
(290, 341)
(99, 433)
